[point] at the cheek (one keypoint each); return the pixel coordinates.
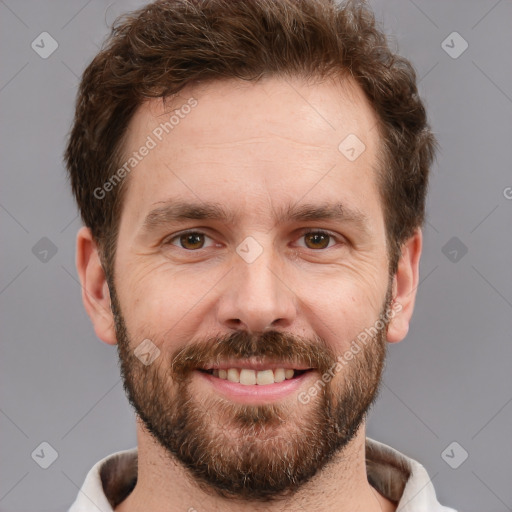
(164, 304)
(341, 311)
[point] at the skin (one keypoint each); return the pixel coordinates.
(255, 148)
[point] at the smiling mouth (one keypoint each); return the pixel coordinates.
(251, 377)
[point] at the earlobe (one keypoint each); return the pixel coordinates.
(405, 283)
(95, 292)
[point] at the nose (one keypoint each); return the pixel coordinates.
(256, 296)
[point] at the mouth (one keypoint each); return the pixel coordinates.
(251, 376)
(255, 380)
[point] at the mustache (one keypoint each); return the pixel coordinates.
(270, 345)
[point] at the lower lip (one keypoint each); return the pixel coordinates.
(256, 393)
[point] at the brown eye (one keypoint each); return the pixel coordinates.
(317, 240)
(190, 241)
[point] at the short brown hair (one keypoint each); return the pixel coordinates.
(159, 49)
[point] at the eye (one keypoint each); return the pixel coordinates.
(195, 240)
(190, 240)
(318, 239)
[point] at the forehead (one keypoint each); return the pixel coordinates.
(276, 138)
(315, 113)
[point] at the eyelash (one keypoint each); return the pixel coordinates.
(306, 231)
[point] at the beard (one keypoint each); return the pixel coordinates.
(248, 451)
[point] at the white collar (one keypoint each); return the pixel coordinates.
(396, 476)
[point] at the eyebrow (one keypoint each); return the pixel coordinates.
(175, 211)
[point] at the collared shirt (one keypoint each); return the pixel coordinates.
(396, 476)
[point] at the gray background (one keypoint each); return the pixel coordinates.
(450, 380)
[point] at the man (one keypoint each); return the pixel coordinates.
(252, 180)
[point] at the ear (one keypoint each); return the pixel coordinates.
(405, 283)
(95, 292)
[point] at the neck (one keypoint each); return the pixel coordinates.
(164, 485)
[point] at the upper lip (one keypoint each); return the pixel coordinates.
(255, 365)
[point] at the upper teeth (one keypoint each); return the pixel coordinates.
(250, 377)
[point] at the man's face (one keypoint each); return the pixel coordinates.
(250, 242)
